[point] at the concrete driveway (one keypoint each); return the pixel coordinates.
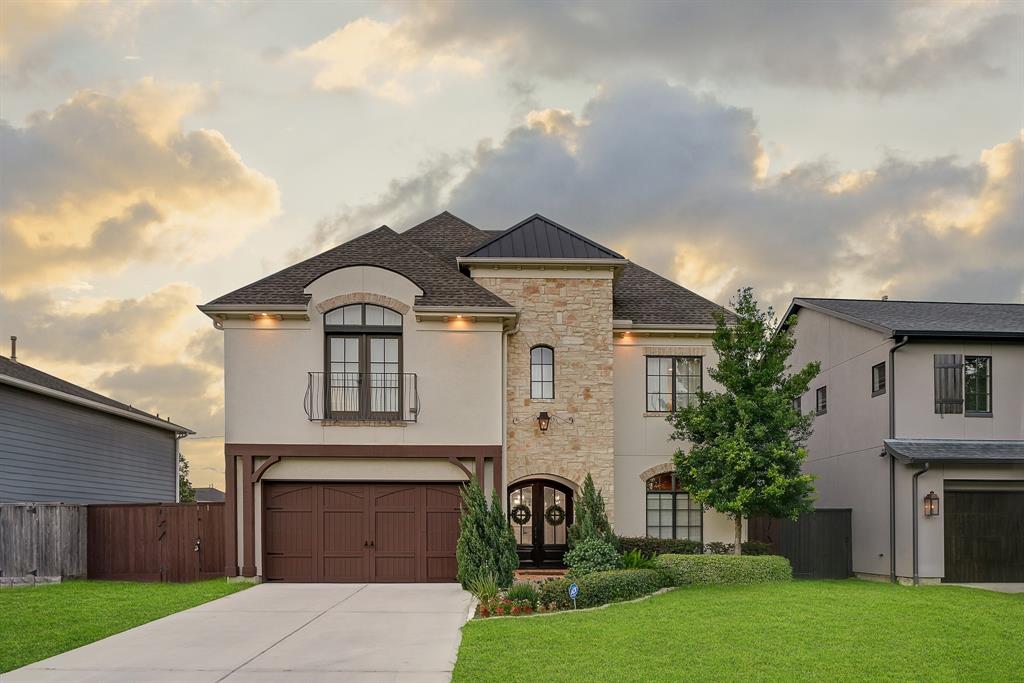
(282, 633)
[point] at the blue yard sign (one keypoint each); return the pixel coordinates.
(574, 590)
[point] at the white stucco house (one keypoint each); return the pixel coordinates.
(365, 384)
(920, 431)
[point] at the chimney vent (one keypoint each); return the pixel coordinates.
(14, 348)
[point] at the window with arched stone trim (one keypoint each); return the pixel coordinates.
(363, 359)
(671, 512)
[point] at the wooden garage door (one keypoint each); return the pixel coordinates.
(360, 532)
(984, 536)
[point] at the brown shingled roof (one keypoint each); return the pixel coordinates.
(442, 285)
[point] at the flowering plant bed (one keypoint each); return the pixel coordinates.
(502, 606)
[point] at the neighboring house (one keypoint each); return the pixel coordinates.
(365, 384)
(209, 494)
(62, 443)
(920, 430)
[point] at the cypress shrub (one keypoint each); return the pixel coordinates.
(591, 520)
(486, 544)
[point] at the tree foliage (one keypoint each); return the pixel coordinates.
(591, 520)
(486, 544)
(186, 493)
(747, 441)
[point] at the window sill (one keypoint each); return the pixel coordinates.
(542, 400)
(989, 414)
(363, 423)
(657, 414)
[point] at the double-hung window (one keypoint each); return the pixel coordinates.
(878, 379)
(363, 362)
(673, 382)
(542, 372)
(963, 384)
(821, 400)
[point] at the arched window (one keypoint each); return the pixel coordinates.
(363, 361)
(542, 372)
(672, 513)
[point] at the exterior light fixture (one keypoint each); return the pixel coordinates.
(544, 421)
(931, 504)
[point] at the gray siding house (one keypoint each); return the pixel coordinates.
(920, 431)
(62, 443)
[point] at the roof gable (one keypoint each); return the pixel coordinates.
(446, 236)
(540, 237)
(647, 298)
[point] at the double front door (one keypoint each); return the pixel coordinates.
(540, 512)
(354, 532)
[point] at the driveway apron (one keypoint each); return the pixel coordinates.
(281, 633)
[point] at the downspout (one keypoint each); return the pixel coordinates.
(892, 458)
(913, 509)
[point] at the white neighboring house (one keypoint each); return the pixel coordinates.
(920, 430)
(365, 384)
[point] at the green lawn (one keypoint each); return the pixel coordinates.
(39, 622)
(805, 630)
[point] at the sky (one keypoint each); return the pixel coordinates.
(155, 155)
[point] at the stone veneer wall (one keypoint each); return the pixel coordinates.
(574, 317)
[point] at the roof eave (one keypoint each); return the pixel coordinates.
(96, 405)
(564, 263)
(797, 304)
(909, 459)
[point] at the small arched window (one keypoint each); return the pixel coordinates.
(542, 372)
(671, 512)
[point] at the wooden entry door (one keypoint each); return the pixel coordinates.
(360, 532)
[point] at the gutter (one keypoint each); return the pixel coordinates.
(913, 510)
(892, 459)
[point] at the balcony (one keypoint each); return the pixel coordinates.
(362, 397)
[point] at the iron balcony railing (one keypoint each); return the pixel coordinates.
(362, 397)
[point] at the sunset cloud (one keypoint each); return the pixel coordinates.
(379, 58)
(104, 180)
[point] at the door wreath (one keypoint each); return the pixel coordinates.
(521, 514)
(555, 515)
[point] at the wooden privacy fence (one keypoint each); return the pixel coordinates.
(42, 540)
(818, 545)
(156, 541)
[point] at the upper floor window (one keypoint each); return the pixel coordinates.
(673, 382)
(671, 512)
(978, 385)
(821, 400)
(542, 372)
(878, 379)
(798, 405)
(363, 361)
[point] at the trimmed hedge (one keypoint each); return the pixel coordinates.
(601, 588)
(749, 548)
(683, 570)
(660, 546)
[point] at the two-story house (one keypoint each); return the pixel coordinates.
(364, 385)
(920, 431)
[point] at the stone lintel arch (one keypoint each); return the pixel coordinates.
(656, 470)
(573, 486)
(362, 298)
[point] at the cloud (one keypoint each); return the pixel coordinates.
(678, 182)
(379, 57)
(102, 181)
(873, 46)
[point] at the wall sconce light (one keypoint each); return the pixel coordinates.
(544, 420)
(931, 504)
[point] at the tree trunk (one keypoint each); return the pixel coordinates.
(738, 547)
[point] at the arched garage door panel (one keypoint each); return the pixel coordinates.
(360, 532)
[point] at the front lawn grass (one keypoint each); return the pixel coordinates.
(804, 630)
(45, 620)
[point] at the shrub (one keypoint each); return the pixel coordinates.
(748, 548)
(524, 592)
(486, 544)
(634, 559)
(681, 570)
(591, 555)
(660, 546)
(591, 520)
(484, 586)
(601, 588)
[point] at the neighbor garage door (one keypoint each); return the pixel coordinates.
(360, 532)
(984, 536)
